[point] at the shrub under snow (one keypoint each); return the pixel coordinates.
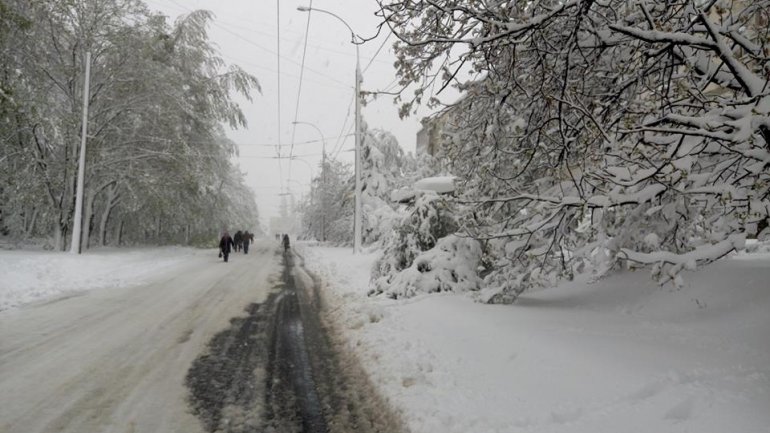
(422, 256)
(450, 266)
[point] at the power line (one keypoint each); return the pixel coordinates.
(278, 60)
(249, 41)
(338, 150)
(316, 46)
(285, 74)
(304, 155)
(170, 140)
(384, 41)
(338, 144)
(299, 89)
(297, 143)
(328, 77)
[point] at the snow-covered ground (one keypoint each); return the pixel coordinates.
(618, 355)
(121, 358)
(28, 276)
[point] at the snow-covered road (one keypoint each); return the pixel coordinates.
(116, 360)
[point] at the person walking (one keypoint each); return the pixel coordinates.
(246, 239)
(286, 242)
(225, 245)
(238, 240)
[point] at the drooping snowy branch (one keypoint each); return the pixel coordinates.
(590, 133)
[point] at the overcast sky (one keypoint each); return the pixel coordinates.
(246, 33)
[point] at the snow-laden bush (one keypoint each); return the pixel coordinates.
(450, 266)
(379, 218)
(421, 255)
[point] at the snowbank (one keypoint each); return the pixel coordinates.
(29, 276)
(619, 355)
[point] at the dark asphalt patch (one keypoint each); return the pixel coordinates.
(350, 401)
(226, 391)
(292, 401)
(278, 370)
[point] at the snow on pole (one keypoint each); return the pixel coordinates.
(75, 246)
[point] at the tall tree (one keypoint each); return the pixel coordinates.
(160, 95)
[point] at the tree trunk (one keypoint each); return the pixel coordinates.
(67, 204)
(29, 226)
(58, 236)
(108, 205)
(88, 212)
(119, 233)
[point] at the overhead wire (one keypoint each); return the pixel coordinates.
(384, 41)
(342, 130)
(242, 62)
(319, 73)
(249, 26)
(342, 137)
(338, 150)
(169, 140)
(316, 46)
(268, 50)
(278, 60)
(299, 87)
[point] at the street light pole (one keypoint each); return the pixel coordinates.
(357, 218)
(323, 177)
(78, 221)
(357, 221)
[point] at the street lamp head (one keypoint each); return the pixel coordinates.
(303, 8)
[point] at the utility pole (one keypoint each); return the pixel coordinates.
(357, 222)
(354, 40)
(323, 194)
(78, 222)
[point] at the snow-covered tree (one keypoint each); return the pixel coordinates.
(386, 168)
(159, 94)
(327, 214)
(593, 134)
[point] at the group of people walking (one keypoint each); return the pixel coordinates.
(238, 242)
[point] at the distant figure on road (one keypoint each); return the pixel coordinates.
(238, 240)
(225, 245)
(247, 238)
(286, 242)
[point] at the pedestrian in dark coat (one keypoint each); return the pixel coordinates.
(238, 240)
(225, 245)
(247, 238)
(285, 242)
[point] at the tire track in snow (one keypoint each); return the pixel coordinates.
(278, 369)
